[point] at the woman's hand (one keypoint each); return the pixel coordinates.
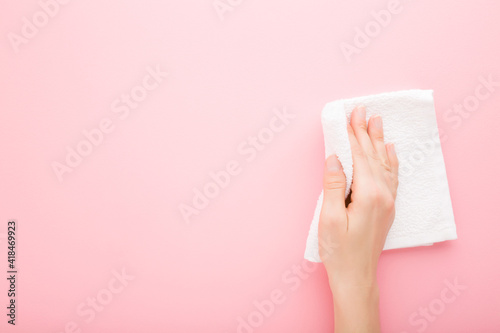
(352, 237)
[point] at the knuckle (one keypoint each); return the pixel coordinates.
(334, 183)
(376, 195)
(370, 193)
(377, 135)
(389, 203)
(385, 165)
(392, 179)
(384, 199)
(360, 124)
(379, 197)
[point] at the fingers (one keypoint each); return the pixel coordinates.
(376, 134)
(369, 152)
(392, 157)
(360, 163)
(358, 123)
(334, 184)
(394, 163)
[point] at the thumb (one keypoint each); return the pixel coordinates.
(334, 184)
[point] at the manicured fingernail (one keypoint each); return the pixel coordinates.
(362, 111)
(377, 122)
(333, 163)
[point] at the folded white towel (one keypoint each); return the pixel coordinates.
(424, 213)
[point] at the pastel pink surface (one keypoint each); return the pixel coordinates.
(120, 207)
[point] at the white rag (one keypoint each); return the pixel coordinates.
(424, 214)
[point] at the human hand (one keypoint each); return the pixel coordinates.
(352, 237)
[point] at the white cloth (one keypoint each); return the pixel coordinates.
(424, 213)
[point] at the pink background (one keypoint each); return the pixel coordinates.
(120, 207)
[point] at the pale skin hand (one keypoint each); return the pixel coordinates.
(352, 237)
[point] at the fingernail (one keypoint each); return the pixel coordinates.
(333, 163)
(392, 149)
(377, 121)
(362, 111)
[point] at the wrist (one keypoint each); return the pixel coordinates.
(353, 281)
(361, 289)
(356, 307)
